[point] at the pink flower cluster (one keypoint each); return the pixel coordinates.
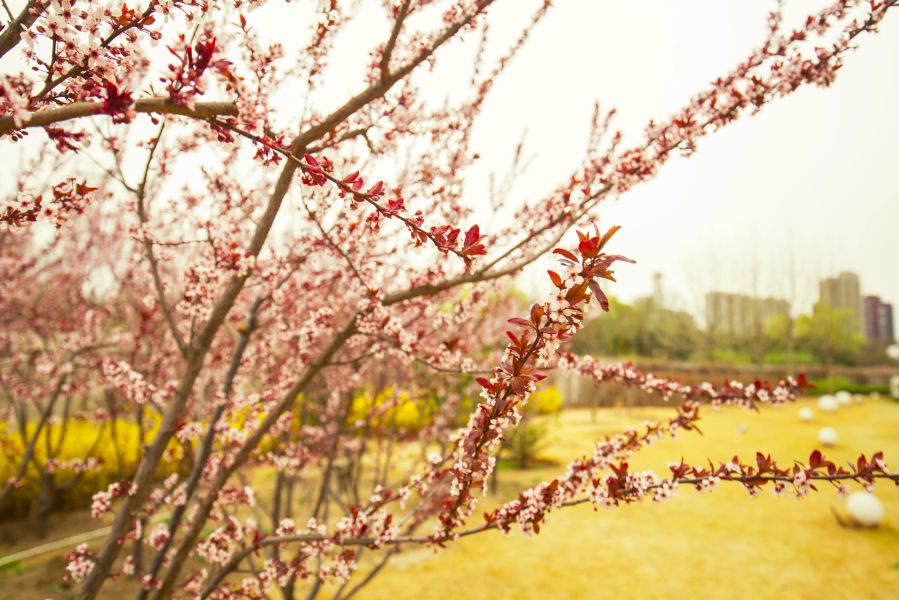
(79, 563)
(101, 502)
(730, 392)
(511, 384)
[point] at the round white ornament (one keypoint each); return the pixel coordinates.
(864, 509)
(828, 436)
(827, 403)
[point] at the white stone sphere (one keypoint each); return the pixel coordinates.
(844, 397)
(806, 414)
(858, 398)
(828, 436)
(827, 403)
(864, 509)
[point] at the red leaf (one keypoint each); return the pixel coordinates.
(520, 321)
(608, 275)
(518, 385)
(556, 278)
(536, 314)
(566, 254)
(472, 236)
(485, 383)
(615, 257)
(600, 295)
(83, 189)
(608, 235)
(815, 459)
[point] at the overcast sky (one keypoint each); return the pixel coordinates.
(812, 181)
(814, 177)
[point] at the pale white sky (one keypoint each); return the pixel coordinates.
(814, 176)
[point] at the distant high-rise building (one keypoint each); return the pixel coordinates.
(739, 314)
(844, 292)
(878, 320)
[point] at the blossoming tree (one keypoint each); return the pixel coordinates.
(190, 250)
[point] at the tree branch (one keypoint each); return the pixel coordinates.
(151, 254)
(11, 36)
(391, 43)
(77, 110)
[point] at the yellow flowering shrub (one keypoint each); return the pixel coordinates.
(115, 452)
(390, 410)
(547, 401)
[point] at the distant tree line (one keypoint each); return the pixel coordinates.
(644, 328)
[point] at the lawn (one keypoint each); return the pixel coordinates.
(718, 545)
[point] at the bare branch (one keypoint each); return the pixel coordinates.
(11, 36)
(77, 110)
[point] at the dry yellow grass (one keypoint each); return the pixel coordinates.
(719, 545)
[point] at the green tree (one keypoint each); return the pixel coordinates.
(642, 329)
(829, 334)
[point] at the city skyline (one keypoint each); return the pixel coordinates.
(736, 313)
